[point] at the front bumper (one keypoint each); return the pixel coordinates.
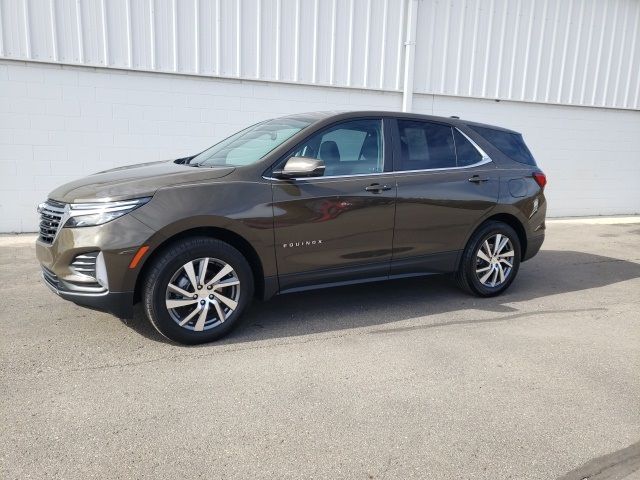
(119, 304)
(116, 242)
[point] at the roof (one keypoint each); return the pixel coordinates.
(314, 117)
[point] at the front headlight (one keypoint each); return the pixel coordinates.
(90, 214)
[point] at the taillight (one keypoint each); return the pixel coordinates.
(540, 178)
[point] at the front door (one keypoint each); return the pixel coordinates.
(446, 184)
(337, 227)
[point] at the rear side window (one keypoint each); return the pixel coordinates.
(425, 145)
(511, 144)
(467, 154)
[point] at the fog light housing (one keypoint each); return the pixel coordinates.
(101, 271)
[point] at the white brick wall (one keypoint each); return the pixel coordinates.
(58, 123)
(591, 155)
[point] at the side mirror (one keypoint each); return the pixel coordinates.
(297, 167)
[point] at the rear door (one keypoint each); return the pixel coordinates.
(337, 227)
(445, 185)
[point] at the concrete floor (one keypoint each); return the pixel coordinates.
(404, 379)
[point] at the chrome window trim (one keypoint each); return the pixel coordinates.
(329, 177)
(485, 160)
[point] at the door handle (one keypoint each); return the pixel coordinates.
(478, 179)
(377, 188)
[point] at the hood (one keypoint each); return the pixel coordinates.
(134, 181)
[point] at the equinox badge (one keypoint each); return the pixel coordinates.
(305, 243)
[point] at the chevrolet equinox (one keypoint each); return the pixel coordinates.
(290, 204)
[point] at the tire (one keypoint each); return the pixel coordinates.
(166, 307)
(473, 269)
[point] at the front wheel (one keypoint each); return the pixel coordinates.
(490, 260)
(197, 289)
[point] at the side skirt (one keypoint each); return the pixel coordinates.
(404, 268)
(445, 262)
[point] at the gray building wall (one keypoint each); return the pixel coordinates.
(90, 85)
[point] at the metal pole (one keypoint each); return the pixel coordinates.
(409, 55)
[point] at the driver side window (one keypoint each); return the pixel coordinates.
(349, 148)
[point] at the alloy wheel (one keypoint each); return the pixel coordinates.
(202, 294)
(494, 260)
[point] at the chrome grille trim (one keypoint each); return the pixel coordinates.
(50, 277)
(85, 264)
(61, 286)
(51, 218)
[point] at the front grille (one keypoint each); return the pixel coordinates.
(51, 213)
(85, 264)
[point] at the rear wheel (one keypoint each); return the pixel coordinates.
(490, 260)
(197, 289)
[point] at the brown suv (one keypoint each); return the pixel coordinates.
(299, 202)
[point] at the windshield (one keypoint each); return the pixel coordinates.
(251, 144)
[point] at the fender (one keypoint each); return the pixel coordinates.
(245, 211)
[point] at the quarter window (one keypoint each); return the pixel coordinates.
(349, 148)
(425, 145)
(511, 144)
(466, 153)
